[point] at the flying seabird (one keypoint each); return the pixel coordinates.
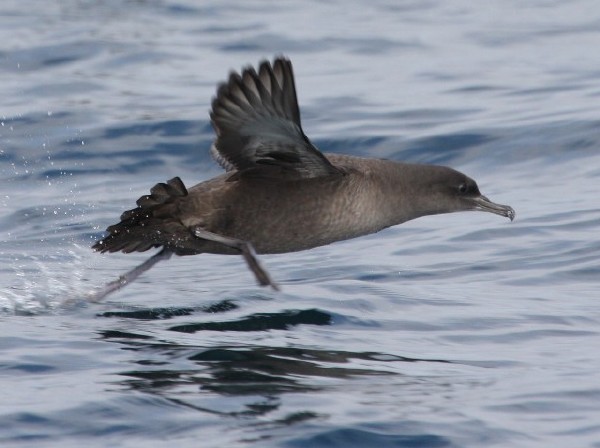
(279, 193)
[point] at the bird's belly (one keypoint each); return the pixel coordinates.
(291, 227)
(286, 216)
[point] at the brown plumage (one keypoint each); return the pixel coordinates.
(279, 192)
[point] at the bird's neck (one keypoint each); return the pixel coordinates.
(406, 192)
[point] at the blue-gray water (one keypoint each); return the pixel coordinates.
(460, 330)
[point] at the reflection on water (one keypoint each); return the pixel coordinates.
(259, 372)
(261, 322)
(168, 313)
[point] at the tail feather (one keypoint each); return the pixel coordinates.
(153, 223)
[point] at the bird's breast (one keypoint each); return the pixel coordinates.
(279, 217)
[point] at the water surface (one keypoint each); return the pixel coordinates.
(461, 330)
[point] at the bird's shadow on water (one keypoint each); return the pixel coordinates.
(254, 376)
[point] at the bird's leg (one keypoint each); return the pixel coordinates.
(246, 250)
(128, 277)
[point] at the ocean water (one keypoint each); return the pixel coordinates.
(460, 330)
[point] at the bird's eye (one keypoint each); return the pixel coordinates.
(463, 188)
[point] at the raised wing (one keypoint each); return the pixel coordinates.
(257, 121)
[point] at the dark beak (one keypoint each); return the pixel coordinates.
(485, 205)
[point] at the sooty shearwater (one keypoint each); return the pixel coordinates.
(280, 193)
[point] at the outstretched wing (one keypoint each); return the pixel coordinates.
(257, 121)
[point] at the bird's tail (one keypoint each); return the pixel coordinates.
(153, 223)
